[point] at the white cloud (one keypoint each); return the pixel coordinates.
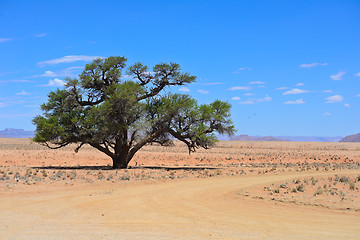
(235, 98)
(282, 88)
(4, 40)
(257, 82)
(358, 95)
(23, 93)
(299, 84)
(243, 69)
(55, 83)
(337, 76)
(347, 105)
(67, 72)
(299, 101)
(209, 84)
(248, 102)
(249, 94)
(334, 99)
(2, 105)
(47, 74)
(295, 91)
(14, 81)
(328, 91)
(357, 74)
(310, 65)
(265, 99)
(257, 100)
(327, 114)
(184, 89)
(238, 88)
(68, 59)
(203, 91)
(40, 35)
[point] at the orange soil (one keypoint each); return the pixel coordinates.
(214, 194)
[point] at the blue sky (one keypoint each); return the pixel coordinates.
(287, 67)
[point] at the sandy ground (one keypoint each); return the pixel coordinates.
(218, 194)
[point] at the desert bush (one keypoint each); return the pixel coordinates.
(319, 191)
(300, 188)
(352, 185)
(344, 179)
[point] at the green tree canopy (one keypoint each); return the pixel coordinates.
(118, 115)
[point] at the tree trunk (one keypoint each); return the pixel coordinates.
(120, 162)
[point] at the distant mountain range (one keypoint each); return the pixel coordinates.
(16, 133)
(283, 138)
(256, 138)
(21, 133)
(351, 138)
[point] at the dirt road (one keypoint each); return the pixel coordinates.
(208, 208)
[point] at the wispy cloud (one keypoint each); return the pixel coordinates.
(328, 91)
(295, 91)
(299, 84)
(337, 76)
(211, 83)
(68, 59)
(235, 98)
(282, 88)
(40, 35)
(249, 94)
(242, 69)
(55, 83)
(184, 89)
(22, 93)
(299, 101)
(357, 74)
(327, 114)
(15, 81)
(67, 72)
(257, 100)
(4, 40)
(247, 102)
(2, 104)
(347, 105)
(358, 95)
(238, 88)
(257, 82)
(203, 91)
(47, 74)
(334, 99)
(310, 65)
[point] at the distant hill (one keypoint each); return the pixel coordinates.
(351, 138)
(244, 137)
(256, 138)
(16, 133)
(311, 138)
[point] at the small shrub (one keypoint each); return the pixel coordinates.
(344, 179)
(319, 191)
(300, 188)
(276, 191)
(352, 185)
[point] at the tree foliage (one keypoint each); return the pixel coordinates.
(119, 114)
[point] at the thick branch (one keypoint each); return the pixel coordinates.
(143, 142)
(102, 149)
(57, 147)
(182, 138)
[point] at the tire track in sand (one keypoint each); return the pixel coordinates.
(183, 209)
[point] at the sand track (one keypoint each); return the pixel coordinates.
(183, 209)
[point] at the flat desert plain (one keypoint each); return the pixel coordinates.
(236, 190)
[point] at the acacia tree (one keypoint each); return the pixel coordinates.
(118, 115)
